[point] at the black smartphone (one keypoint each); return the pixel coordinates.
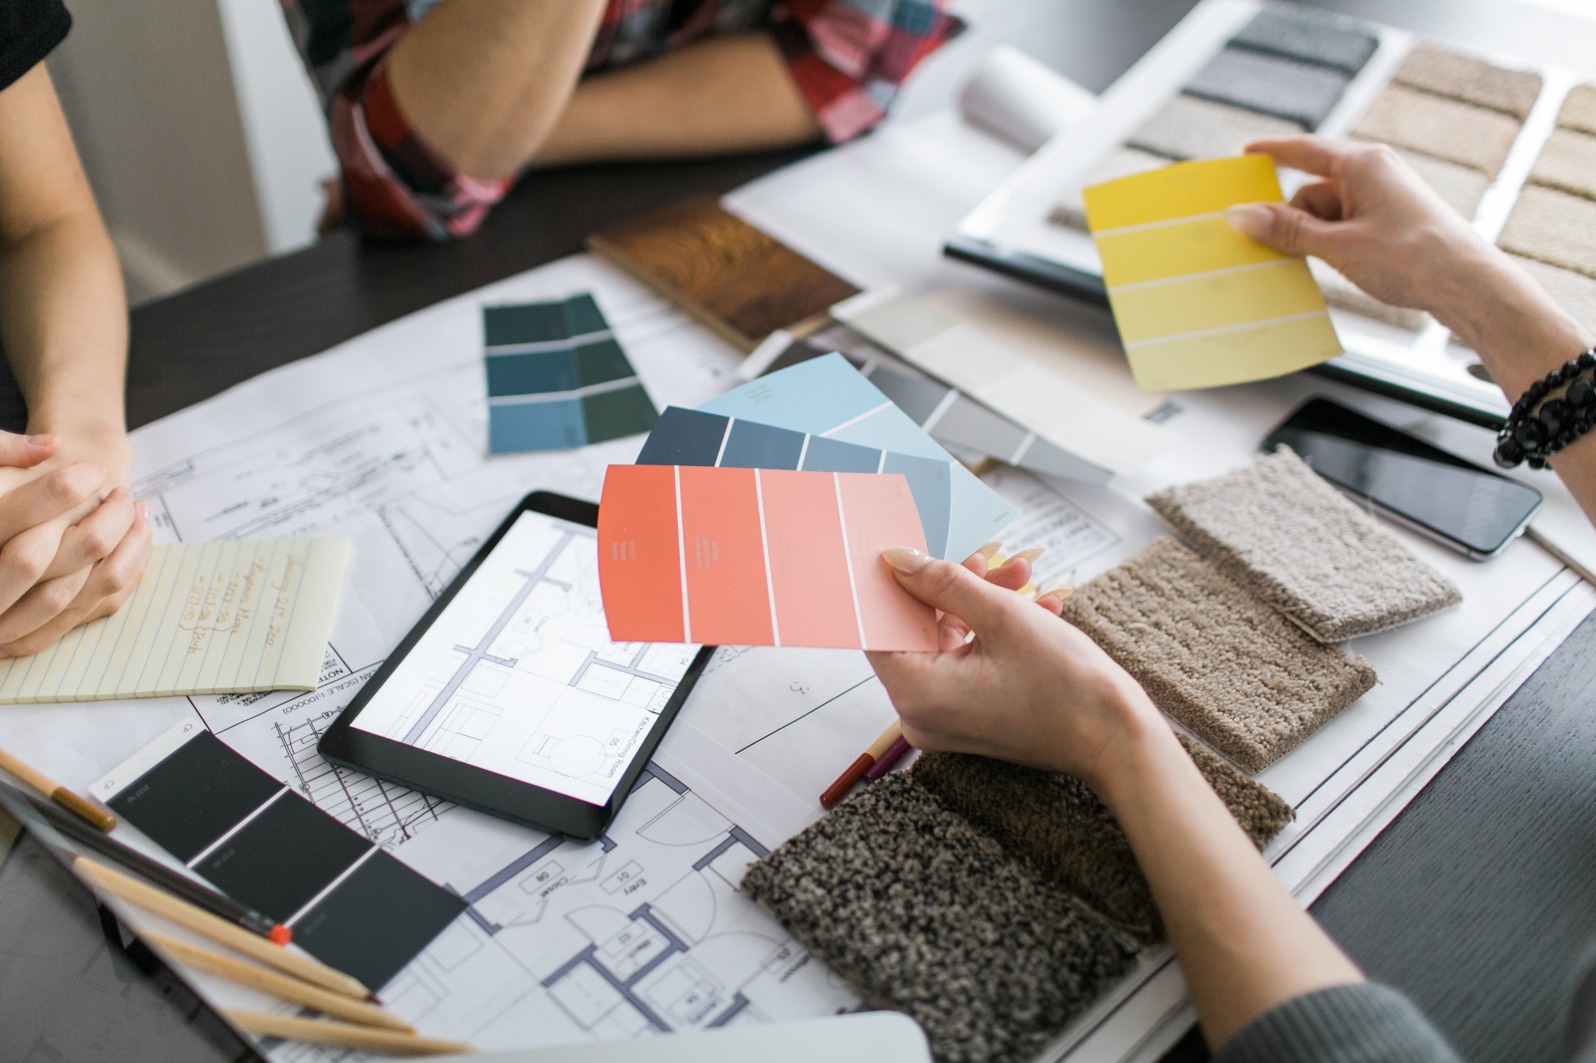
(509, 697)
(1439, 495)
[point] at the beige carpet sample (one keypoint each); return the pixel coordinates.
(1471, 80)
(923, 913)
(1300, 545)
(1554, 227)
(1236, 673)
(1057, 825)
(1579, 109)
(1574, 292)
(1190, 128)
(1448, 129)
(1567, 161)
(1070, 210)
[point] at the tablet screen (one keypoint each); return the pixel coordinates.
(517, 675)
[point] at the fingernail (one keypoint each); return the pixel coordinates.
(989, 549)
(143, 509)
(41, 440)
(905, 559)
(1249, 219)
(1059, 590)
(1032, 554)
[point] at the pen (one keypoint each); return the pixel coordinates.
(864, 763)
(220, 931)
(346, 1035)
(129, 859)
(95, 816)
(888, 760)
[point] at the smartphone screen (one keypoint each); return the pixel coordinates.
(1462, 505)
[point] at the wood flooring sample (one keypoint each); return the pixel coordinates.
(742, 282)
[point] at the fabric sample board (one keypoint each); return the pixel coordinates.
(693, 437)
(349, 903)
(828, 397)
(1198, 304)
(1057, 825)
(1289, 537)
(758, 557)
(924, 913)
(1236, 673)
(1553, 226)
(207, 618)
(1567, 162)
(1448, 129)
(945, 413)
(1461, 186)
(1035, 393)
(1579, 109)
(1463, 77)
(737, 279)
(557, 378)
(1312, 37)
(1270, 84)
(1191, 128)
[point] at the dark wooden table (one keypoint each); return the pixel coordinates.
(1476, 901)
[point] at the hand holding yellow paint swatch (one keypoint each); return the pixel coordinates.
(1198, 304)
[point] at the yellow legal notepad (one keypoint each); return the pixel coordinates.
(1198, 304)
(207, 618)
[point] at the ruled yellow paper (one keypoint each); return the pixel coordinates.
(207, 618)
(1197, 304)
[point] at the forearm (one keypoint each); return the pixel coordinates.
(722, 94)
(1243, 942)
(63, 316)
(484, 82)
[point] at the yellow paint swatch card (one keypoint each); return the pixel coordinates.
(1198, 304)
(207, 618)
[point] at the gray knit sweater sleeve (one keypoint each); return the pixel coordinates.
(1365, 1023)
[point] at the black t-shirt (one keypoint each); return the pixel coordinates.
(29, 31)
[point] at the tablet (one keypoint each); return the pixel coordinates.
(509, 696)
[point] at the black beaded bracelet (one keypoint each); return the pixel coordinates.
(1536, 429)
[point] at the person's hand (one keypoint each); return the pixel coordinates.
(1374, 219)
(1027, 687)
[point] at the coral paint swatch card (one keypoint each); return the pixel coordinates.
(758, 557)
(1198, 304)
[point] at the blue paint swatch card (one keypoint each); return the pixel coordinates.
(827, 398)
(694, 437)
(557, 378)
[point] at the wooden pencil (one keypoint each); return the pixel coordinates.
(863, 763)
(218, 930)
(266, 980)
(343, 1034)
(98, 817)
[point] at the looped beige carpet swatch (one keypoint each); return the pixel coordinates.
(1057, 825)
(924, 913)
(1214, 656)
(1286, 535)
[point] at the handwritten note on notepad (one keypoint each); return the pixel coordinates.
(1198, 304)
(207, 618)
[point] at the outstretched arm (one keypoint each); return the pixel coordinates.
(1371, 217)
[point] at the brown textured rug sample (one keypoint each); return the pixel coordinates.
(1579, 109)
(1567, 161)
(1287, 536)
(1058, 826)
(1230, 668)
(1448, 129)
(925, 914)
(1555, 227)
(1471, 80)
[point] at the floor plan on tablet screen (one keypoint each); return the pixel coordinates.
(518, 675)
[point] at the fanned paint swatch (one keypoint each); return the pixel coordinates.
(557, 378)
(207, 618)
(828, 397)
(693, 437)
(349, 903)
(1198, 304)
(758, 557)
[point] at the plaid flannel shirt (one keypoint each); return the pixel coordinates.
(847, 58)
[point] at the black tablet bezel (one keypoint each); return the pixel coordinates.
(487, 791)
